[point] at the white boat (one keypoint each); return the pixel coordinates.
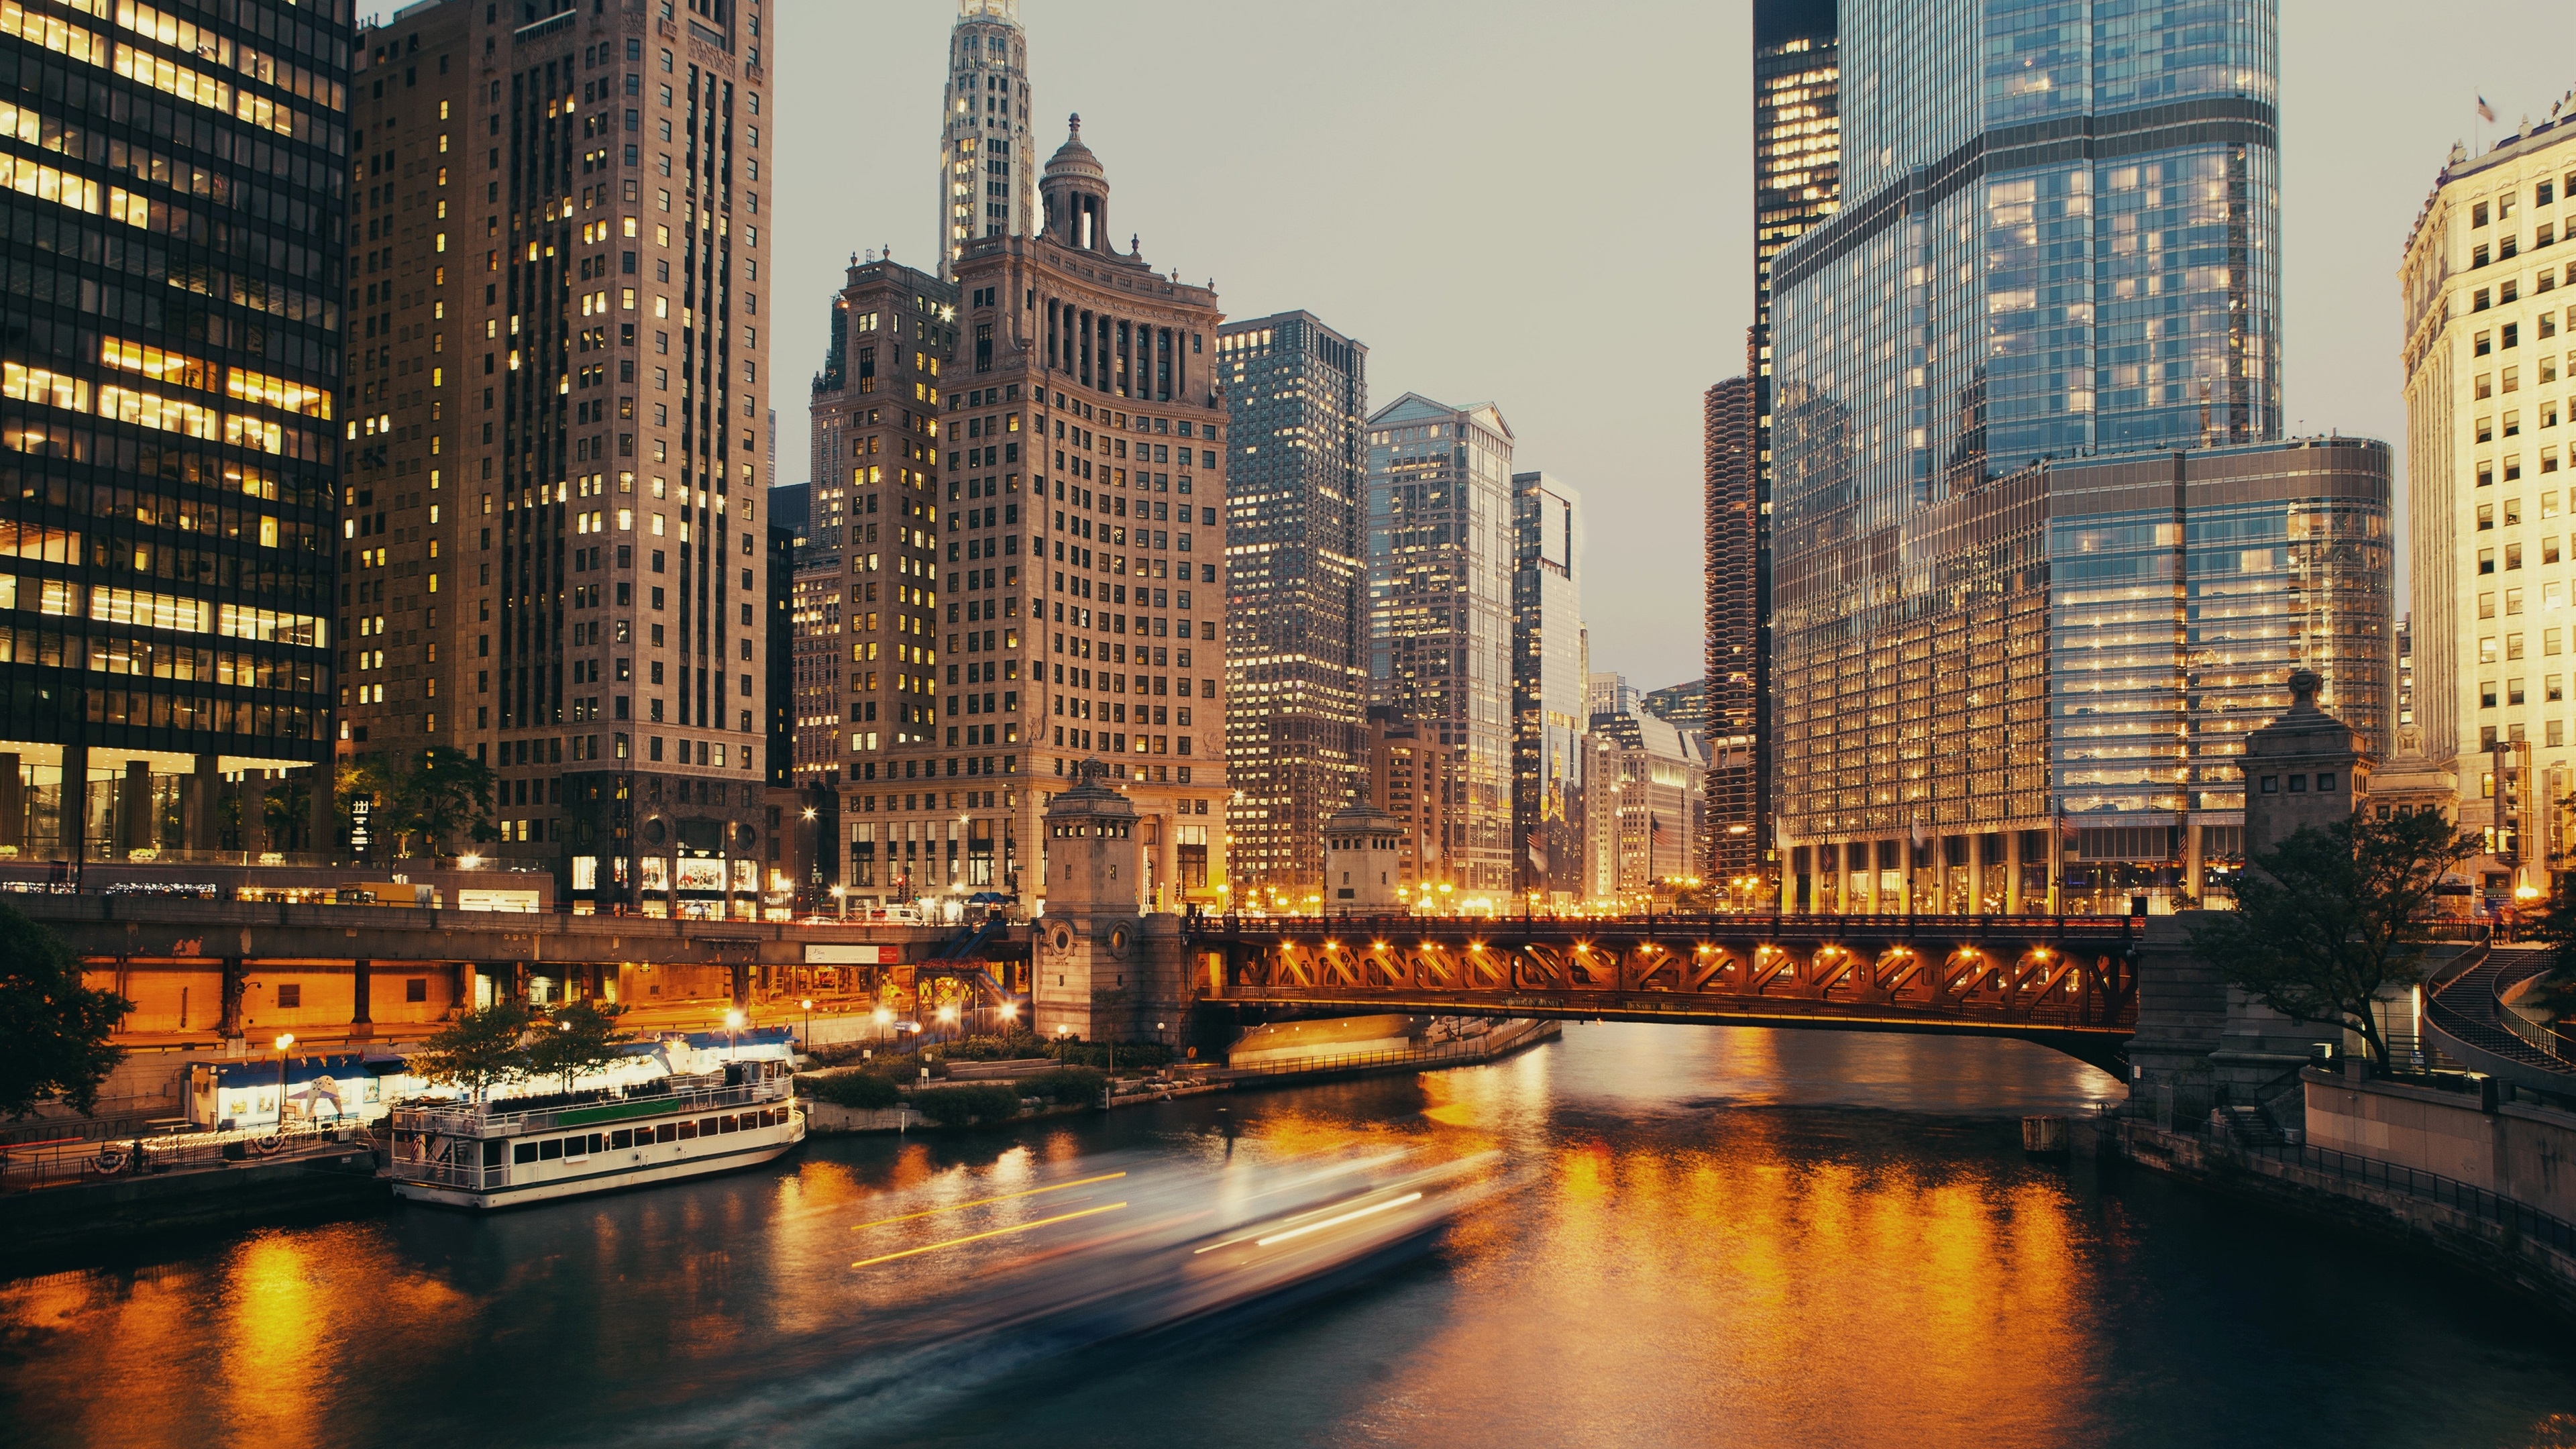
(499, 1154)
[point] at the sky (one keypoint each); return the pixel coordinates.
(1548, 206)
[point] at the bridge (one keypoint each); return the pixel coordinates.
(2068, 983)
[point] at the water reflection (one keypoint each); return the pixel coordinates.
(1717, 1236)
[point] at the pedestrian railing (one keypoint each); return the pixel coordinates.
(2450, 1192)
(2539, 1037)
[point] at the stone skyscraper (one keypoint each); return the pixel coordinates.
(2491, 434)
(556, 554)
(1440, 611)
(2037, 561)
(987, 152)
(1032, 556)
(1298, 391)
(173, 422)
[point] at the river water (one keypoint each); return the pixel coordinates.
(1689, 1235)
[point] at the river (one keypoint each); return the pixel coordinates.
(1686, 1235)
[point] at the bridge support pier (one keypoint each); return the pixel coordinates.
(360, 986)
(229, 1023)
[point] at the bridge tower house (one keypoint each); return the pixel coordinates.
(1089, 962)
(1362, 862)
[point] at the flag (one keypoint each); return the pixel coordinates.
(1655, 829)
(2486, 112)
(1537, 854)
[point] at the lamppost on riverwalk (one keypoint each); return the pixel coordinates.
(809, 1023)
(285, 1044)
(733, 1028)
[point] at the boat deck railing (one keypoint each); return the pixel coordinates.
(493, 1119)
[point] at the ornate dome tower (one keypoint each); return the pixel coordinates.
(1086, 944)
(1075, 193)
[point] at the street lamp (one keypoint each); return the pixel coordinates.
(733, 1028)
(883, 1018)
(809, 1023)
(285, 1043)
(842, 894)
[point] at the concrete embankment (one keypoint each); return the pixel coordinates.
(2465, 1230)
(83, 1216)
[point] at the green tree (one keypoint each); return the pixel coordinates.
(440, 792)
(2330, 920)
(478, 1051)
(287, 806)
(53, 1030)
(581, 1039)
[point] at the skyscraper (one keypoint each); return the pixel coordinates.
(2031, 539)
(554, 534)
(987, 153)
(1547, 685)
(1797, 185)
(1440, 607)
(1033, 553)
(172, 425)
(2489, 414)
(1297, 676)
(1736, 726)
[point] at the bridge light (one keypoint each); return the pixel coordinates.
(1705, 950)
(1377, 945)
(1475, 945)
(1332, 945)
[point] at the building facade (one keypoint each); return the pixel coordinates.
(1547, 687)
(1417, 779)
(1645, 806)
(1034, 557)
(1735, 707)
(987, 151)
(2490, 365)
(173, 416)
(1295, 670)
(557, 554)
(1440, 638)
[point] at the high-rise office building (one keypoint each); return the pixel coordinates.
(1797, 185)
(1644, 806)
(1547, 686)
(2491, 446)
(1735, 710)
(1033, 552)
(1297, 677)
(2031, 540)
(171, 418)
(987, 151)
(1684, 706)
(1440, 607)
(555, 549)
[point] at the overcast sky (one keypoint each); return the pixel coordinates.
(1547, 205)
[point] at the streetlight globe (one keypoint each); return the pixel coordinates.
(733, 1019)
(809, 1003)
(1010, 1011)
(948, 1013)
(884, 1016)
(285, 1040)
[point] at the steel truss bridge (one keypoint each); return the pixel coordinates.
(2068, 983)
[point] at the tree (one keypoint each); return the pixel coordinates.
(478, 1051)
(440, 792)
(53, 1030)
(2329, 920)
(582, 1039)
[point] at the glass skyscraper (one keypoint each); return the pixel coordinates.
(173, 196)
(1440, 612)
(1548, 718)
(2004, 676)
(1298, 391)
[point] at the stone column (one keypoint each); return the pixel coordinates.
(74, 816)
(360, 987)
(199, 810)
(134, 802)
(229, 1023)
(250, 790)
(13, 802)
(2012, 872)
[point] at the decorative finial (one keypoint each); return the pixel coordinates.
(1135, 245)
(2304, 684)
(1076, 123)
(1091, 769)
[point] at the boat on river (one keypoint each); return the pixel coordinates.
(505, 1153)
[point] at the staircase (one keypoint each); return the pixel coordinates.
(2253, 1127)
(2466, 1005)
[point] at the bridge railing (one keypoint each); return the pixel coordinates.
(1715, 922)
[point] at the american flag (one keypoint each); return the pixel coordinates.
(1654, 829)
(2486, 112)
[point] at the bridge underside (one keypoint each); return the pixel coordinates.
(2073, 992)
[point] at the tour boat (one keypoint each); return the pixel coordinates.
(502, 1154)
